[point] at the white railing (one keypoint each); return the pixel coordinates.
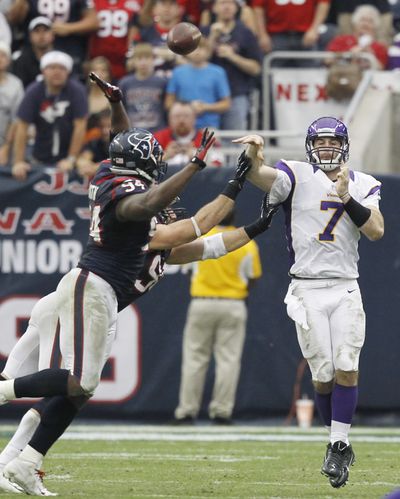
(320, 55)
(271, 150)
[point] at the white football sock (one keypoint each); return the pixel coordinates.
(32, 456)
(27, 427)
(340, 431)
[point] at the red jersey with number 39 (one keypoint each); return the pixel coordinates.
(111, 40)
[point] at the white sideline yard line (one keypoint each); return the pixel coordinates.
(207, 433)
(209, 429)
(213, 437)
(221, 434)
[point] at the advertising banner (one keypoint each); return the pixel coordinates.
(43, 228)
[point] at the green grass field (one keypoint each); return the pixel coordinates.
(213, 462)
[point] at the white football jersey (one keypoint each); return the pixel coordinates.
(322, 239)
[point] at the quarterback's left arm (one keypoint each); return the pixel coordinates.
(374, 227)
(366, 217)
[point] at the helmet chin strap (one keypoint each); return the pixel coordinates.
(136, 171)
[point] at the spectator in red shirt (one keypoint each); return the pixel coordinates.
(366, 23)
(181, 137)
(111, 39)
(289, 25)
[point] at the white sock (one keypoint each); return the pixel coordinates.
(340, 432)
(7, 389)
(32, 456)
(21, 437)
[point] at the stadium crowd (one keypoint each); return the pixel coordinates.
(51, 115)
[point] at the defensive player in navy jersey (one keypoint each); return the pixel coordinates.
(88, 297)
(41, 337)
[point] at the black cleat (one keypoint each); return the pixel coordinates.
(339, 457)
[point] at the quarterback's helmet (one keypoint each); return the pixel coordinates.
(137, 152)
(327, 127)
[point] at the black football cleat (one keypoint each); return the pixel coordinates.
(339, 457)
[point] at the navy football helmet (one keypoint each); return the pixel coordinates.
(137, 152)
(327, 127)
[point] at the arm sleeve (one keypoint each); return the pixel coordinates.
(371, 191)
(28, 106)
(283, 183)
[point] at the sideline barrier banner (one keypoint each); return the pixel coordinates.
(43, 228)
(299, 97)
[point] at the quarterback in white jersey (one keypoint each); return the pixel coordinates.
(327, 208)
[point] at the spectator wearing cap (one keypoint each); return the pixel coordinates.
(26, 63)
(11, 93)
(72, 21)
(57, 107)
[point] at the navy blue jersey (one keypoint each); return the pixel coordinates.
(115, 250)
(150, 274)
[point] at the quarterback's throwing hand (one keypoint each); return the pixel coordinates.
(207, 140)
(111, 92)
(254, 149)
(255, 140)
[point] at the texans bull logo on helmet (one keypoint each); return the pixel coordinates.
(142, 143)
(137, 152)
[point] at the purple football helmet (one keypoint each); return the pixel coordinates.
(327, 127)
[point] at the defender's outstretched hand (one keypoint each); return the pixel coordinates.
(235, 185)
(263, 223)
(207, 140)
(242, 168)
(111, 92)
(268, 211)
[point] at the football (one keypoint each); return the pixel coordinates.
(183, 38)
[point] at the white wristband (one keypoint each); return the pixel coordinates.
(214, 246)
(196, 227)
